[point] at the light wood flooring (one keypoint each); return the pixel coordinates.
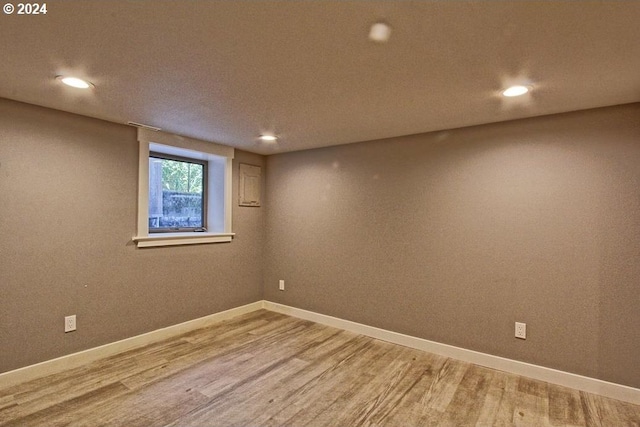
(267, 369)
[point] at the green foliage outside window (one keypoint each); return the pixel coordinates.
(182, 176)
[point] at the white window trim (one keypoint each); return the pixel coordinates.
(187, 147)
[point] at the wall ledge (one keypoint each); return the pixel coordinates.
(173, 239)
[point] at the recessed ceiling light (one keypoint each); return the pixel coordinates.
(268, 138)
(380, 32)
(75, 82)
(515, 91)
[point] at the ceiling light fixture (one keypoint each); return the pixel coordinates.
(380, 32)
(75, 82)
(515, 91)
(268, 138)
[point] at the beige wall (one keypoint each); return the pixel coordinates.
(68, 189)
(453, 236)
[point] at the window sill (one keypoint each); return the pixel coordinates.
(173, 239)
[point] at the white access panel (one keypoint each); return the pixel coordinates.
(250, 179)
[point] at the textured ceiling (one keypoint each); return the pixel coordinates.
(225, 71)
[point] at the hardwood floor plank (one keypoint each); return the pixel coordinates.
(466, 404)
(397, 391)
(344, 376)
(227, 401)
(7, 401)
(436, 394)
(410, 407)
(565, 408)
(222, 345)
(269, 352)
(61, 389)
(298, 393)
(160, 402)
(267, 357)
(268, 369)
(601, 411)
(366, 400)
(591, 410)
(628, 413)
(62, 414)
(532, 404)
(327, 353)
(498, 408)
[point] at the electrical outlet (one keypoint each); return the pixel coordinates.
(281, 286)
(521, 330)
(70, 323)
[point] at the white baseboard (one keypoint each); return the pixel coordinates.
(579, 382)
(75, 360)
(554, 376)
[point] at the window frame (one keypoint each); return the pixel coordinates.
(219, 193)
(205, 188)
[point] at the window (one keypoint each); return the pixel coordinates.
(177, 194)
(184, 190)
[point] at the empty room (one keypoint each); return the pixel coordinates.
(320, 213)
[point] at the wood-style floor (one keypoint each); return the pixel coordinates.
(267, 369)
